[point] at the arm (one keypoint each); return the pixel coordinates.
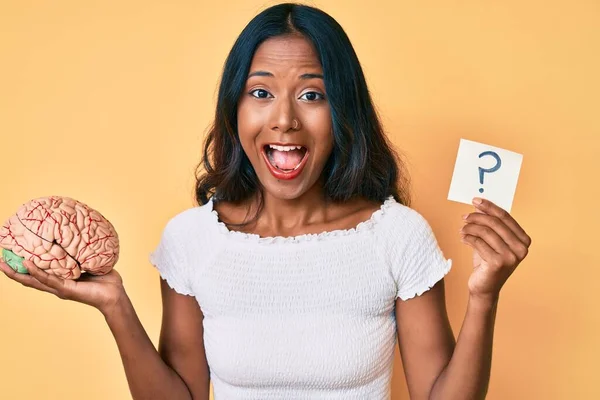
(467, 376)
(436, 367)
(178, 370)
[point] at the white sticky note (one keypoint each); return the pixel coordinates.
(485, 171)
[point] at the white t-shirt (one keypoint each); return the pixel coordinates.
(302, 317)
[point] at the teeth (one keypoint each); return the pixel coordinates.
(284, 148)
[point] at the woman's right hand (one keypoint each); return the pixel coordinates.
(100, 291)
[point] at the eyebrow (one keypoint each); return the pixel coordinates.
(303, 76)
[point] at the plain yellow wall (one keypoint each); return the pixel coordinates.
(108, 102)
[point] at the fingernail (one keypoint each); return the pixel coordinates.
(477, 200)
(465, 216)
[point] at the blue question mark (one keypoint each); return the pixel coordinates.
(496, 167)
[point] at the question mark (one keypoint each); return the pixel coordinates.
(489, 170)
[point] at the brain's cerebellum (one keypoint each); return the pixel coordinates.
(60, 235)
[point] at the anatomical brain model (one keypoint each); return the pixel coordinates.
(60, 235)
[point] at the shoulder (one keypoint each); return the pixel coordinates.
(401, 219)
(190, 221)
(403, 231)
(185, 235)
(410, 247)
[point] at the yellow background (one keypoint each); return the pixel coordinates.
(108, 102)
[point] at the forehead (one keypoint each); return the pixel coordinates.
(285, 52)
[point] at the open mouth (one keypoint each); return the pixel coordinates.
(285, 158)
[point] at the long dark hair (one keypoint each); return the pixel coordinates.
(362, 163)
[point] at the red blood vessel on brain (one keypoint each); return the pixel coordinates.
(60, 235)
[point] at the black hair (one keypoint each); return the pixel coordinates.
(362, 163)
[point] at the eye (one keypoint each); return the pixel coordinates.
(260, 93)
(313, 96)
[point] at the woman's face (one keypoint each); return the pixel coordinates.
(284, 104)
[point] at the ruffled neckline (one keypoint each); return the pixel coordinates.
(364, 226)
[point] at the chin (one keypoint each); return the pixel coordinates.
(284, 193)
(283, 190)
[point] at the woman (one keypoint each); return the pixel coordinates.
(302, 262)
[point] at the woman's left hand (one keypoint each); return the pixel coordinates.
(499, 245)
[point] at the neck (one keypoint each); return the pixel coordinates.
(284, 216)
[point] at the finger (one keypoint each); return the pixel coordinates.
(490, 208)
(26, 279)
(49, 280)
(488, 235)
(8, 271)
(498, 226)
(484, 249)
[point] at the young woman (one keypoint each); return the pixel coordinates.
(302, 262)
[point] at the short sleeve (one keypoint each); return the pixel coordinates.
(417, 261)
(170, 260)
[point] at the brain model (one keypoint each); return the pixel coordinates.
(60, 235)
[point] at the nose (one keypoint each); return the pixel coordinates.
(283, 115)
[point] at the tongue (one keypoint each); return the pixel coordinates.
(286, 159)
